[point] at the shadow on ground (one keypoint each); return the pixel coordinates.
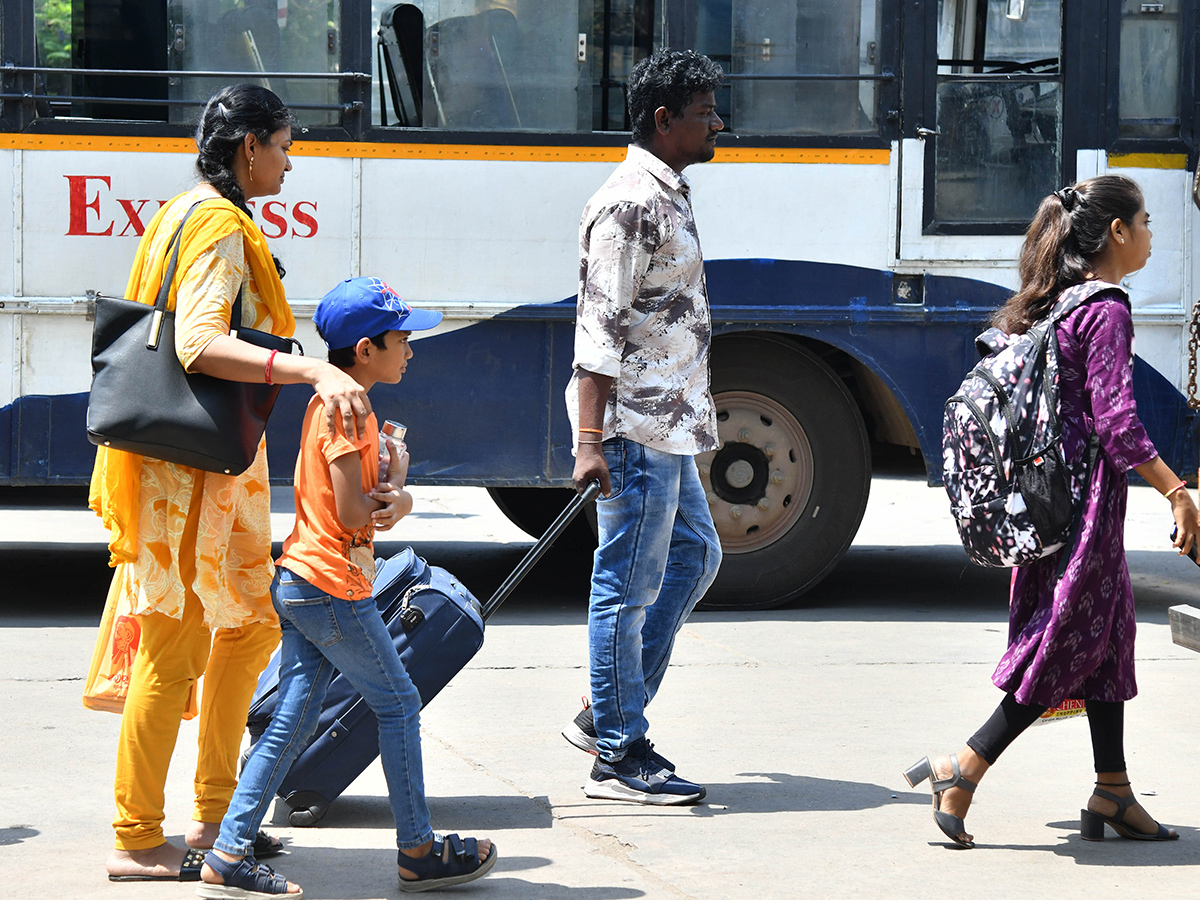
(484, 814)
(317, 871)
(66, 584)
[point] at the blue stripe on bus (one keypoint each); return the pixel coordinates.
(484, 404)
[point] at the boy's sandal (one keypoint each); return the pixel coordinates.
(451, 860)
(245, 879)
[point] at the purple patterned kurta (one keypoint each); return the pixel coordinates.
(1074, 640)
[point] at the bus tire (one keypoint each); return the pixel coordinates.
(534, 509)
(789, 483)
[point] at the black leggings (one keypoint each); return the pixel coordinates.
(1106, 721)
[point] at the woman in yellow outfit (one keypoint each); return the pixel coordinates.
(192, 549)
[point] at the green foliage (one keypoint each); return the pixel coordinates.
(52, 20)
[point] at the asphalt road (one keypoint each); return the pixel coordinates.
(799, 721)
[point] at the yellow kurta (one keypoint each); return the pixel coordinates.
(146, 502)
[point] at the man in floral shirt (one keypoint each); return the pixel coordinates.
(640, 405)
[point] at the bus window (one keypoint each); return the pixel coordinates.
(256, 36)
(162, 38)
(88, 34)
(999, 109)
(1150, 62)
(630, 33)
(484, 65)
(52, 25)
(794, 67)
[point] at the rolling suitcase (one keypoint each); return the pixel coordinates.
(437, 625)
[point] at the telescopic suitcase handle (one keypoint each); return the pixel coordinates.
(538, 550)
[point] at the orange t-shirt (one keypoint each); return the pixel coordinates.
(320, 549)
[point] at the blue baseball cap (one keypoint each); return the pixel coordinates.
(364, 307)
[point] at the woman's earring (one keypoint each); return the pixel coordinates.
(252, 168)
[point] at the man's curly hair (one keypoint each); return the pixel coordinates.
(668, 78)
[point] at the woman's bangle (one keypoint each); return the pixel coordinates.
(1181, 484)
(593, 430)
(270, 362)
(591, 442)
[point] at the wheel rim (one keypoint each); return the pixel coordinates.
(760, 477)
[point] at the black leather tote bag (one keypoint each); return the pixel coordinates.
(143, 401)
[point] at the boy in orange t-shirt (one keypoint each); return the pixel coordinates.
(329, 620)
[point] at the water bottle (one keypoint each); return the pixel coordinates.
(390, 432)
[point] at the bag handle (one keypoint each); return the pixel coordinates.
(164, 290)
(235, 325)
(538, 550)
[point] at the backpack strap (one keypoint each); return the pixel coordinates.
(1069, 301)
(1077, 295)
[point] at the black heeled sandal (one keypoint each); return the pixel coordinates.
(1091, 824)
(952, 826)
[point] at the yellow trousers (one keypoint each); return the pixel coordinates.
(172, 654)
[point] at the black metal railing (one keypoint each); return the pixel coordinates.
(8, 70)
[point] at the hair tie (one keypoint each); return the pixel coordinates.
(223, 110)
(1070, 198)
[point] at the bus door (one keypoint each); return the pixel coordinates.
(983, 137)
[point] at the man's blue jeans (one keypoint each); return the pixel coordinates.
(321, 633)
(658, 554)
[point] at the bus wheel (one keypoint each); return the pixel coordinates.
(788, 485)
(534, 509)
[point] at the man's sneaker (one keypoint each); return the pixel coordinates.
(582, 731)
(639, 778)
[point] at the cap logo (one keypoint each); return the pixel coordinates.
(391, 300)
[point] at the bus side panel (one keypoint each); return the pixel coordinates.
(1167, 192)
(1167, 418)
(921, 351)
(47, 441)
(10, 237)
(89, 209)
(834, 212)
(83, 212)
(484, 404)
(465, 230)
(8, 437)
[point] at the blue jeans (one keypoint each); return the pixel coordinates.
(321, 633)
(658, 554)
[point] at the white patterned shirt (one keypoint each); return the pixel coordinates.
(642, 313)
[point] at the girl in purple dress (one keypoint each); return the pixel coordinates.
(1072, 637)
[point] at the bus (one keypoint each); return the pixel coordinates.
(860, 221)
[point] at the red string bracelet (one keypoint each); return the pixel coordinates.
(1181, 484)
(270, 362)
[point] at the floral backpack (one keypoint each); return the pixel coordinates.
(1013, 495)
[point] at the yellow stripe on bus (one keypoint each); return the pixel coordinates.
(98, 143)
(109, 144)
(1148, 161)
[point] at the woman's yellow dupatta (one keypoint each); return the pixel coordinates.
(116, 476)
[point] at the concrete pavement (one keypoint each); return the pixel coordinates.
(799, 721)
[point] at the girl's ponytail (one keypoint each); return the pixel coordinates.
(1067, 236)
